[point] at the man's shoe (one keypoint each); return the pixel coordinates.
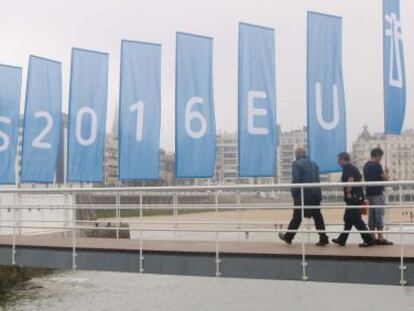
(365, 244)
(377, 242)
(282, 237)
(322, 243)
(336, 241)
(385, 242)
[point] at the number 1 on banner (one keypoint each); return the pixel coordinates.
(139, 108)
(139, 111)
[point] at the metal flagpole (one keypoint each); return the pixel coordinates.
(387, 214)
(386, 150)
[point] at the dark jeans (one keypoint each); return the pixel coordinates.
(297, 219)
(352, 217)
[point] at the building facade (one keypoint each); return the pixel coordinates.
(111, 161)
(288, 142)
(399, 152)
(227, 166)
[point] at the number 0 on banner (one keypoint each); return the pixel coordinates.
(87, 116)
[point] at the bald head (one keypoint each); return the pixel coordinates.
(300, 152)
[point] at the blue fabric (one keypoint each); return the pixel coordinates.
(257, 100)
(325, 91)
(140, 110)
(87, 116)
(10, 87)
(195, 127)
(42, 120)
(393, 66)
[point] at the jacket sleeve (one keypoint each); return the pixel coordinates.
(296, 179)
(317, 179)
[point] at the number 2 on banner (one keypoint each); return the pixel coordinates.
(191, 115)
(38, 141)
(4, 136)
(94, 126)
(139, 108)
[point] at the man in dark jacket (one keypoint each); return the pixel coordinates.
(353, 196)
(306, 171)
(375, 194)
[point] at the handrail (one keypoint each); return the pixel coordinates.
(71, 224)
(206, 188)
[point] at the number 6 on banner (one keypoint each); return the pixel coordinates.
(94, 126)
(191, 115)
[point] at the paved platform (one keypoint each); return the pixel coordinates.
(227, 247)
(266, 260)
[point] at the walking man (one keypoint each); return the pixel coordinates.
(353, 196)
(375, 194)
(306, 171)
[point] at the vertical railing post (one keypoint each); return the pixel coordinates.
(16, 202)
(19, 216)
(141, 215)
(66, 214)
(238, 203)
(402, 266)
(74, 234)
(218, 261)
(118, 214)
(387, 214)
(304, 263)
(175, 213)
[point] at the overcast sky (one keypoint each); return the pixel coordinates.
(50, 28)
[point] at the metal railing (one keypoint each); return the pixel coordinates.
(400, 196)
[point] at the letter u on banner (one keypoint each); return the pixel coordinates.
(42, 120)
(195, 127)
(325, 91)
(140, 110)
(257, 101)
(87, 115)
(10, 87)
(393, 67)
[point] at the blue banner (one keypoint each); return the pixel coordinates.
(10, 87)
(257, 101)
(393, 66)
(325, 91)
(42, 120)
(87, 116)
(195, 126)
(140, 110)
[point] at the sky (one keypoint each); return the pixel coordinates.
(50, 28)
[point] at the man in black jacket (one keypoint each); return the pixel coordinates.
(373, 171)
(306, 171)
(353, 196)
